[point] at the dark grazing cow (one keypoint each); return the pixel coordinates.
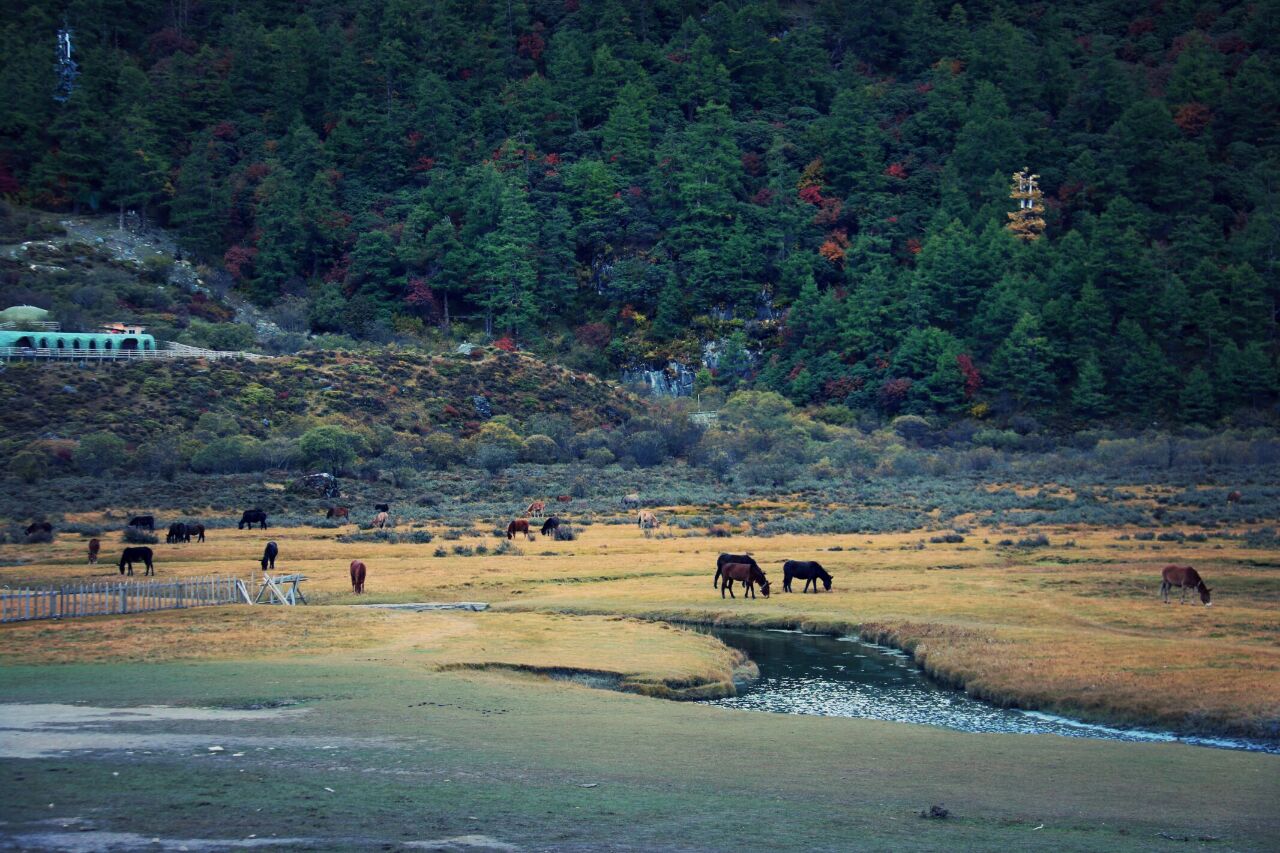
(252, 517)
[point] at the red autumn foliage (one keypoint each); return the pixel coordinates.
(1141, 26)
(972, 378)
(465, 73)
(552, 159)
(677, 57)
(531, 45)
(811, 195)
(957, 66)
(913, 246)
(896, 170)
(169, 41)
(8, 183)
(894, 391)
(420, 295)
(413, 139)
(892, 220)
(1193, 118)
(505, 343)
(795, 372)
(571, 5)
(763, 197)
(635, 192)
(238, 258)
(752, 163)
(828, 212)
(423, 164)
(924, 88)
(593, 335)
(257, 171)
(838, 389)
(225, 130)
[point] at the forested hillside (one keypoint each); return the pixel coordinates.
(817, 189)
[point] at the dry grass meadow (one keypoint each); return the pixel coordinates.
(1076, 627)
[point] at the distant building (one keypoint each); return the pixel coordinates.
(123, 328)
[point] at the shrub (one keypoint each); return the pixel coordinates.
(232, 454)
(647, 448)
(493, 457)
(1172, 536)
(599, 457)
(565, 533)
(99, 452)
(719, 531)
(328, 447)
(539, 448)
(440, 552)
(138, 536)
(439, 450)
(40, 537)
(947, 537)
(1144, 536)
(29, 467)
(1037, 541)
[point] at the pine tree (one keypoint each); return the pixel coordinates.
(1020, 365)
(1089, 394)
(1196, 403)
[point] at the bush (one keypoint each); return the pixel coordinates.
(1037, 541)
(232, 454)
(40, 537)
(1144, 536)
(647, 448)
(565, 533)
(138, 536)
(951, 538)
(29, 467)
(539, 448)
(328, 447)
(493, 457)
(719, 531)
(439, 450)
(99, 452)
(599, 457)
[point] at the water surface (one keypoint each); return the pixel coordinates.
(845, 677)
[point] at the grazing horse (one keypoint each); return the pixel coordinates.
(748, 573)
(1186, 578)
(140, 555)
(196, 530)
(1234, 498)
(39, 527)
(807, 570)
(269, 556)
(177, 533)
(147, 521)
(724, 560)
(519, 525)
(564, 499)
(630, 501)
(536, 508)
(381, 520)
(549, 526)
(339, 512)
(646, 520)
(382, 507)
(252, 517)
(357, 576)
(94, 547)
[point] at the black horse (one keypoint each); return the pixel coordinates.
(39, 527)
(382, 507)
(725, 559)
(196, 530)
(141, 521)
(269, 556)
(140, 555)
(808, 571)
(178, 532)
(549, 526)
(252, 517)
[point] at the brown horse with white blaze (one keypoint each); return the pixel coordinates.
(358, 571)
(1185, 578)
(536, 508)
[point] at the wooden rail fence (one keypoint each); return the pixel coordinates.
(103, 599)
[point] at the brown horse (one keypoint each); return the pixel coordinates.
(1186, 578)
(536, 508)
(381, 520)
(357, 576)
(1234, 498)
(564, 499)
(94, 547)
(519, 525)
(750, 575)
(339, 512)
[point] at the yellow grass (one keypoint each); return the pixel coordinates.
(1075, 629)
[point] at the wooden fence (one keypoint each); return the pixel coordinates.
(103, 599)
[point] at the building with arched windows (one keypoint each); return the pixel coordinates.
(71, 344)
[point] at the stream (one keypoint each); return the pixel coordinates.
(845, 677)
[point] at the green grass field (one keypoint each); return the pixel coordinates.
(437, 726)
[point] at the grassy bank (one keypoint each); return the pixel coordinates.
(1075, 627)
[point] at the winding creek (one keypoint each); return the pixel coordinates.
(845, 677)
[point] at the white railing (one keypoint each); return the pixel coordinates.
(171, 351)
(32, 325)
(104, 599)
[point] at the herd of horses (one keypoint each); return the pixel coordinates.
(730, 568)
